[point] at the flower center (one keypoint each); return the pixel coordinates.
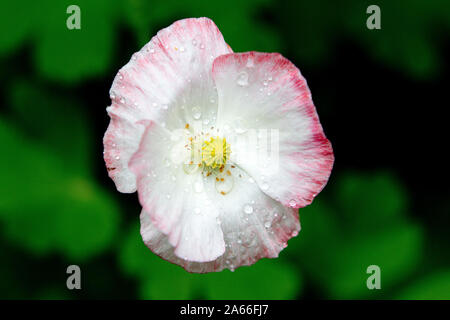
(215, 153)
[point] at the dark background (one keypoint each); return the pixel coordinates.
(381, 96)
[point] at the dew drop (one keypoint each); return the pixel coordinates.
(292, 203)
(267, 224)
(225, 185)
(248, 209)
(190, 168)
(265, 186)
(242, 79)
(196, 113)
(250, 63)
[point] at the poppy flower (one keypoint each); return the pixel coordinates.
(189, 119)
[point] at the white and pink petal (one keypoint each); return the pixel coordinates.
(168, 81)
(265, 92)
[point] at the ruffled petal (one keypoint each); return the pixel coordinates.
(253, 225)
(175, 201)
(168, 81)
(264, 93)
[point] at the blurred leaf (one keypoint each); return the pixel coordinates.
(16, 20)
(72, 55)
(433, 287)
(405, 40)
(370, 200)
(62, 54)
(266, 279)
(44, 207)
(397, 250)
(365, 225)
(235, 19)
(159, 279)
(56, 122)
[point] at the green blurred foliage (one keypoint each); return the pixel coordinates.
(59, 53)
(236, 19)
(52, 203)
(364, 224)
(431, 287)
(406, 40)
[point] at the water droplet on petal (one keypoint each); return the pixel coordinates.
(248, 209)
(190, 168)
(265, 186)
(196, 113)
(250, 63)
(292, 203)
(242, 79)
(267, 224)
(224, 185)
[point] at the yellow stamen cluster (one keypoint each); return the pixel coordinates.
(215, 152)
